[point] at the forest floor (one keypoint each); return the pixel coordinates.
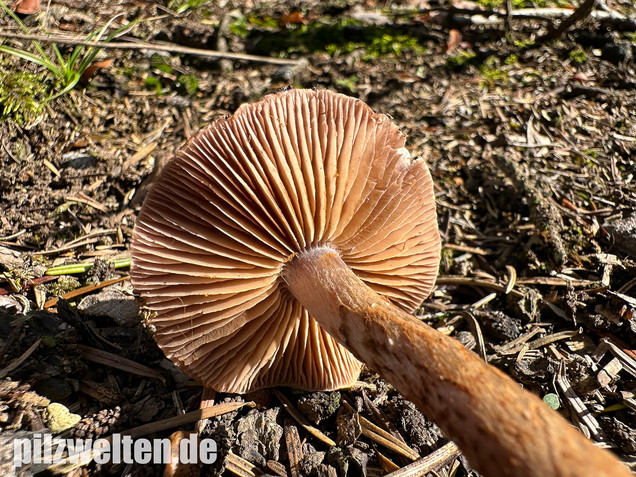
(530, 135)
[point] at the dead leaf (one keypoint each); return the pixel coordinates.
(89, 72)
(26, 7)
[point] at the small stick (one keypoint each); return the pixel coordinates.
(142, 45)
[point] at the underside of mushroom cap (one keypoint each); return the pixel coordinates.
(298, 169)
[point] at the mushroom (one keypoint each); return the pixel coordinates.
(286, 244)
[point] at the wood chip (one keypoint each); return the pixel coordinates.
(276, 467)
(609, 373)
(294, 448)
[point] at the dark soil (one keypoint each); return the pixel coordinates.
(532, 147)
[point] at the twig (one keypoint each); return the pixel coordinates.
(508, 21)
(84, 290)
(17, 362)
(579, 15)
(142, 45)
(118, 362)
(608, 17)
(477, 282)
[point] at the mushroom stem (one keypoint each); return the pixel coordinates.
(502, 429)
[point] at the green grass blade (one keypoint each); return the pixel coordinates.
(25, 55)
(74, 78)
(91, 53)
(23, 27)
(72, 268)
(63, 64)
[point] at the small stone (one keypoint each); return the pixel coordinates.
(123, 309)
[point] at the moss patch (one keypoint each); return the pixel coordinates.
(22, 96)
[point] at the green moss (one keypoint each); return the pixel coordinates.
(578, 57)
(49, 341)
(457, 62)
(511, 60)
(447, 260)
(188, 84)
(152, 82)
(239, 27)
(161, 63)
(339, 37)
(491, 72)
(62, 285)
(494, 75)
(181, 6)
(524, 44)
(388, 44)
(350, 83)
(22, 96)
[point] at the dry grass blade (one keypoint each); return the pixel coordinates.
(240, 466)
(387, 464)
(115, 361)
(142, 45)
(512, 278)
(139, 155)
(295, 413)
(84, 199)
(430, 463)
(556, 282)
(187, 418)
(380, 436)
(625, 355)
(84, 290)
(21, 359)
(380, 417)
(546, 340)
(466, 248)
(294, 448)
(588, 423)
(479, 337)
(513, 347)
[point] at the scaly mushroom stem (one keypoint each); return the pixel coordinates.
(502, 429)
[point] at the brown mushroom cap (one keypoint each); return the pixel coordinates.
(296, 170)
